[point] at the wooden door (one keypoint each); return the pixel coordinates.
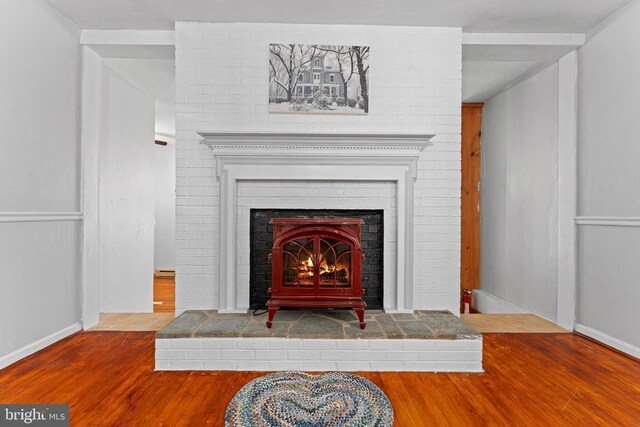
(470, 207)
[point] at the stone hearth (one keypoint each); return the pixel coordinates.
(324, 324)
(319, 340)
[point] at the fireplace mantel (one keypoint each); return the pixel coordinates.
(325, 148)
(316, 142)
(316, 157)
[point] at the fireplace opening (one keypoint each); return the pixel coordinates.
(327, 258)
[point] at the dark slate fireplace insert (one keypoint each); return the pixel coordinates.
(261, 243)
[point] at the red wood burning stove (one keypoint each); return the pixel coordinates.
(316, 262)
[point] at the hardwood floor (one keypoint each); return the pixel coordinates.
(164, 294)
(133, 322)
(530, 379)
(511, 323)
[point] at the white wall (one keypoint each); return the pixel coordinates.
(39, 172)
(127, 209)
(609, 126)
(415, 86)
(519, 204)
(165, 205)
(39, 91)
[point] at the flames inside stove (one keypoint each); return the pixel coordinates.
(331, 261)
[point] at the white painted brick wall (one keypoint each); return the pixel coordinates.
(280, 354)
(415, 86)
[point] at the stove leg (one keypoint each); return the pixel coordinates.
(272, 312)
(360, 313)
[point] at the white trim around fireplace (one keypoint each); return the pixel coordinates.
(316, 157)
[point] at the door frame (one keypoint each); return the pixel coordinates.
(471, 172)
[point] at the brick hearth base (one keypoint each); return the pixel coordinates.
(318, 340)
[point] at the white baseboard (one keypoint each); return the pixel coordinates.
(29, 349)
(488, 303)
(91, 321)
(608, 340)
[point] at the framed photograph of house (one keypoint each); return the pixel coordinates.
(318, 79)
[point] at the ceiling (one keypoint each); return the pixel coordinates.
(520, 16)
(489, 69)
(157, 78)
(486, 69)
(481, 80)
(154, 76)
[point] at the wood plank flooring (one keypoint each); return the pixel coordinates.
(164, 294)
(133, 322)
(511, 323)
(530, 379)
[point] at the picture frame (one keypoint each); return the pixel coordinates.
(318, 79)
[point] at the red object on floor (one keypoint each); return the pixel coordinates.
(466, 300)
(317, 263)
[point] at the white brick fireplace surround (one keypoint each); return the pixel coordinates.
(222, 87)
(338, 170)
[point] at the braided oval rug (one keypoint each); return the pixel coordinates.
(297, 399)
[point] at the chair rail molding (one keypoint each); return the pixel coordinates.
(39, 216)
(608, 221)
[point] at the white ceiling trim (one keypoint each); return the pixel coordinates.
(491, 60)
(523, 39)
(128, 37)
